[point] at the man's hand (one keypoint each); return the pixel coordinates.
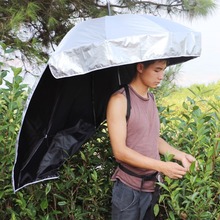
(173, 170)
(187, 160)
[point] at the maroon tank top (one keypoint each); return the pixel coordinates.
(143, 128)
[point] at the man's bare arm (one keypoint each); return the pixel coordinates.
(117, 127)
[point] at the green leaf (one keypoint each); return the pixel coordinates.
(164, 186)
(9, 50)
(185, 106)
(94, 176)
(3, 45)
(193, 166)
(48, 188)
(3, 73)
(83, 156)
(52, 22)
(44, 204)
(193, 196)
(156, 209)
(171, 215)
(32, 10)
(13, 216)
(16, 70)
(62, 203)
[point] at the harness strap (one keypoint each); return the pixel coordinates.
(128, 101)
(152, 177)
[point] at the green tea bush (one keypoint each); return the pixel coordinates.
(197, 132)
(12, 97)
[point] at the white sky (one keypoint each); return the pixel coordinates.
(206, 68)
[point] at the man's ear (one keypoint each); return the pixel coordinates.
(140, 67)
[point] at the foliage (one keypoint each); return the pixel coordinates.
(198, 8)
(12, 97)
(196, 131)
(178, 94)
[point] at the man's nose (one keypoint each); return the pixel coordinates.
(161, 75)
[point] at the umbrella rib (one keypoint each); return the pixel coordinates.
(93, 100)
(52, 116)
(119, 77)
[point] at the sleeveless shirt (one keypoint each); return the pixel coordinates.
(143, 128)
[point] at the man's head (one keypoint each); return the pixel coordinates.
(150, 73)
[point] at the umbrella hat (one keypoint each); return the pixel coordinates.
(69, 101)
(122, 39)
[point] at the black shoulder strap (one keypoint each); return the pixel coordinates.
(152, 95)
(128, 101)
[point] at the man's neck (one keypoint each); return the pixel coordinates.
(140, 89)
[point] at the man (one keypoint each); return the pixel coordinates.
(136, 144)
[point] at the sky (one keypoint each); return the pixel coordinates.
(206, 68)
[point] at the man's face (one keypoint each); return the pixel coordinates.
(152, 75)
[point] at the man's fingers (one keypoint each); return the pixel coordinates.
(190, 158)
(176, 171)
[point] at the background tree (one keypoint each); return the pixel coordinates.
(35, 27)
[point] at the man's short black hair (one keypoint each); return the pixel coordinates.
(149, 62)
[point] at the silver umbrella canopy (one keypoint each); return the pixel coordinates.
(122, 39)
(92, 61)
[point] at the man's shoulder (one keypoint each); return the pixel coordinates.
(118, 96)
(119, 93)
